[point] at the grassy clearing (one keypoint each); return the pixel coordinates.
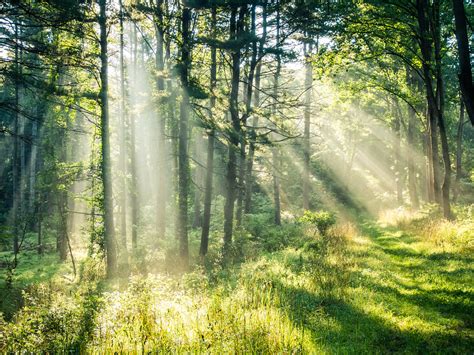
(377, 288)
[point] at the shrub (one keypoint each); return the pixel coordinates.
(322, 220)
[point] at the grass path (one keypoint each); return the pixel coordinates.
(380, 291)
(405, 298)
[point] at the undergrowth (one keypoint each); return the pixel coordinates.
(295, 289)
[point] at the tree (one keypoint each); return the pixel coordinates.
(183, 163)
(109, 232)
(465, 73)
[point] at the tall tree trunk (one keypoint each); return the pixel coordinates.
(236, 29)
(275, 152)
(433, 111)
(198, 183)
(183, 164)
(16, 173)
(411, 147)
(465, 74)
(429, 166)
(249, 182)
(33, 166)
(206, 220)
(109, 233)
(160, 83)
(398, 154)
(134, 206)
(307, 124)
(459, 135)
(246, 115)
(123, 145)
(446, 187)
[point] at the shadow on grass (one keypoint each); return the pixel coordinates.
(357, 331)
(354, 330)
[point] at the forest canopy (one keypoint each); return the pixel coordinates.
(235, 156)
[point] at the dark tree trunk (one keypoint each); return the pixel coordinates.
(236, 29)
(123, 145)
(412, 189)
(459, 135)
(465, 74)
(307, 126)
(249, 182)
(446, 187)
(206, 220)
(16, 173)
(183, 164)
(109, 233)
(433, 111)
(248, 112)
(198, 183)
(398, 155)
(275, 152)
(160, 83)
(135, 208)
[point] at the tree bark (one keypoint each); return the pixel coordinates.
(109, 232)
(459, 137)
(160, 84)
(134, 206)
(433, 111)
(307, 125)
(183, 164)
(412, 188)
(206, 220)
(275, 152)
(123, 145)
(246, 115)
(446, 187)
(465, 73)
(236, 29)
(249, 181)
(198, 183)
(398, 155)
(16, 173)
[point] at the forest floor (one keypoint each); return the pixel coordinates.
(367, 289)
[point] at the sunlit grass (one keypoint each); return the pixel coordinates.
(359, 289)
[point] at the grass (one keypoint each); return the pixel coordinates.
(377, 288)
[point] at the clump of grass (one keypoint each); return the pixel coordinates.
(438, 233)
(449, 235)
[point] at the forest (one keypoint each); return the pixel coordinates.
(237, 176)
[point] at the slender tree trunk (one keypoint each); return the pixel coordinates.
(465, 74)
(134, 206)
(248, 112)
(307, 125)
(206, 220)
(275, 152)
(198, 183)
(429, 166)
(183, 164)
(459, 135)
(412, 189)
(446, 187)
(160, 83)
(433, 112)
(236, 29)
(16, 173)
(249, 182)
(33, 166)
(398, 155)
(123, 145)
(109, 232)
(62, 193)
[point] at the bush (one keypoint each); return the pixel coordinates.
(322, 220)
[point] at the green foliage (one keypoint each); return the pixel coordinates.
(322, 220)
